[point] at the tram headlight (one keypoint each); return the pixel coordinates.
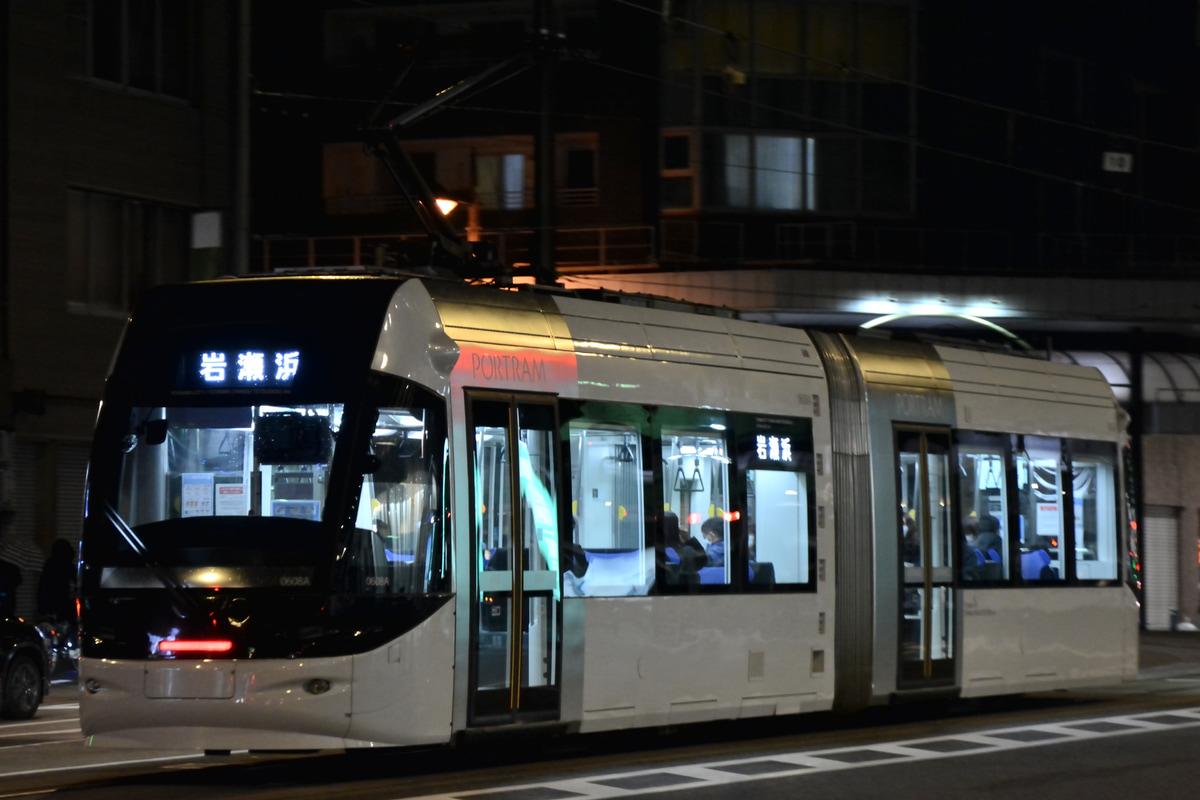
(91, 685)
(317, 686)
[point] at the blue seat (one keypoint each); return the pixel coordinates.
(982, 558)
(1035, 566)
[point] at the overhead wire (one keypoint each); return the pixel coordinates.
(926, 146)
(925, 88)
(848, 128)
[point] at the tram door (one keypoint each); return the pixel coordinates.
(927, 635)
(516, 596)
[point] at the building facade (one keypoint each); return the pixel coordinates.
(117, 134)
(818, 162)
(806, 162)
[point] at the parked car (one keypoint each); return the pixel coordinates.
(24, 668)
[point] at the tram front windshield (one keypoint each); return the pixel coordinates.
(239, 497)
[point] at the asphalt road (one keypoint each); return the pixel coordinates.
(1118, 741)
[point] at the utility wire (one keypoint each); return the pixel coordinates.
(874, 76)
(844, 127)
(1049, 176)
(914, 85)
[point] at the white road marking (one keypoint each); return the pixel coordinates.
(98, 765)
(786, 765)
(75, 729)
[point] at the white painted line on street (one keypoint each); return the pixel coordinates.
(22, 734)
(31, 722)
(787, 765)
(98, 765)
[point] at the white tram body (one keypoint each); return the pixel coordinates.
(845, 474)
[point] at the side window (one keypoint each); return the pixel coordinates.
(1040, 508)
(1094, 495)
(777, 456)
(606, 554)
(696, 501)
(395, 548)
(983, 506)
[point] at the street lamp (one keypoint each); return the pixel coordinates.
(447, 204)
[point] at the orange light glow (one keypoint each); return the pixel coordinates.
(694, 518)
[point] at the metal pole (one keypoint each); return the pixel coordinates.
(1136, 422)
(544, 268)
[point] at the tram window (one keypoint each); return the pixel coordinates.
(607, 555)
(209, 463)
(778, 461)
(1040, 508)
(1094, 492)
(983, 507)
(393, 549)
(695, 489)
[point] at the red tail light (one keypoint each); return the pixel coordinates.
(195, 646)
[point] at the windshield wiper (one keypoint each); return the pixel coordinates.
(164, 575)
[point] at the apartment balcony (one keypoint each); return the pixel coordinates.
(696, 244)
(615, 249)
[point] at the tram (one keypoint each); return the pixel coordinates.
(357, 510)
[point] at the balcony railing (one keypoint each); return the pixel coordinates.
(576, 249)
(842, 246)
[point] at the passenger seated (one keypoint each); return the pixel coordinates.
(688, 549)
(982, 559)
(989, 539)
(713, 531)
(681, 557)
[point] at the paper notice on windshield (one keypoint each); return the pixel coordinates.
(231, 500)
(197, 494)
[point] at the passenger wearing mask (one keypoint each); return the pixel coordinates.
(713, 531)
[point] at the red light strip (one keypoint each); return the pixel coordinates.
(191, 646)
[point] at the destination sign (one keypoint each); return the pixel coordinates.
(249, 368)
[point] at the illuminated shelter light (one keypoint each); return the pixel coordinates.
(1000, 329)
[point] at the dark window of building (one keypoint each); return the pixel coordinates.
(677, 152)
(581, 169)
(117, 247)
(830, 39)
(581, 33)
(837, 166)
(426, 164)
(883, 41)
(677, 193)
(107, 40)
(139, 44)
(885, 176)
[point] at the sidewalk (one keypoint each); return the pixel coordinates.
(1160, 650)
